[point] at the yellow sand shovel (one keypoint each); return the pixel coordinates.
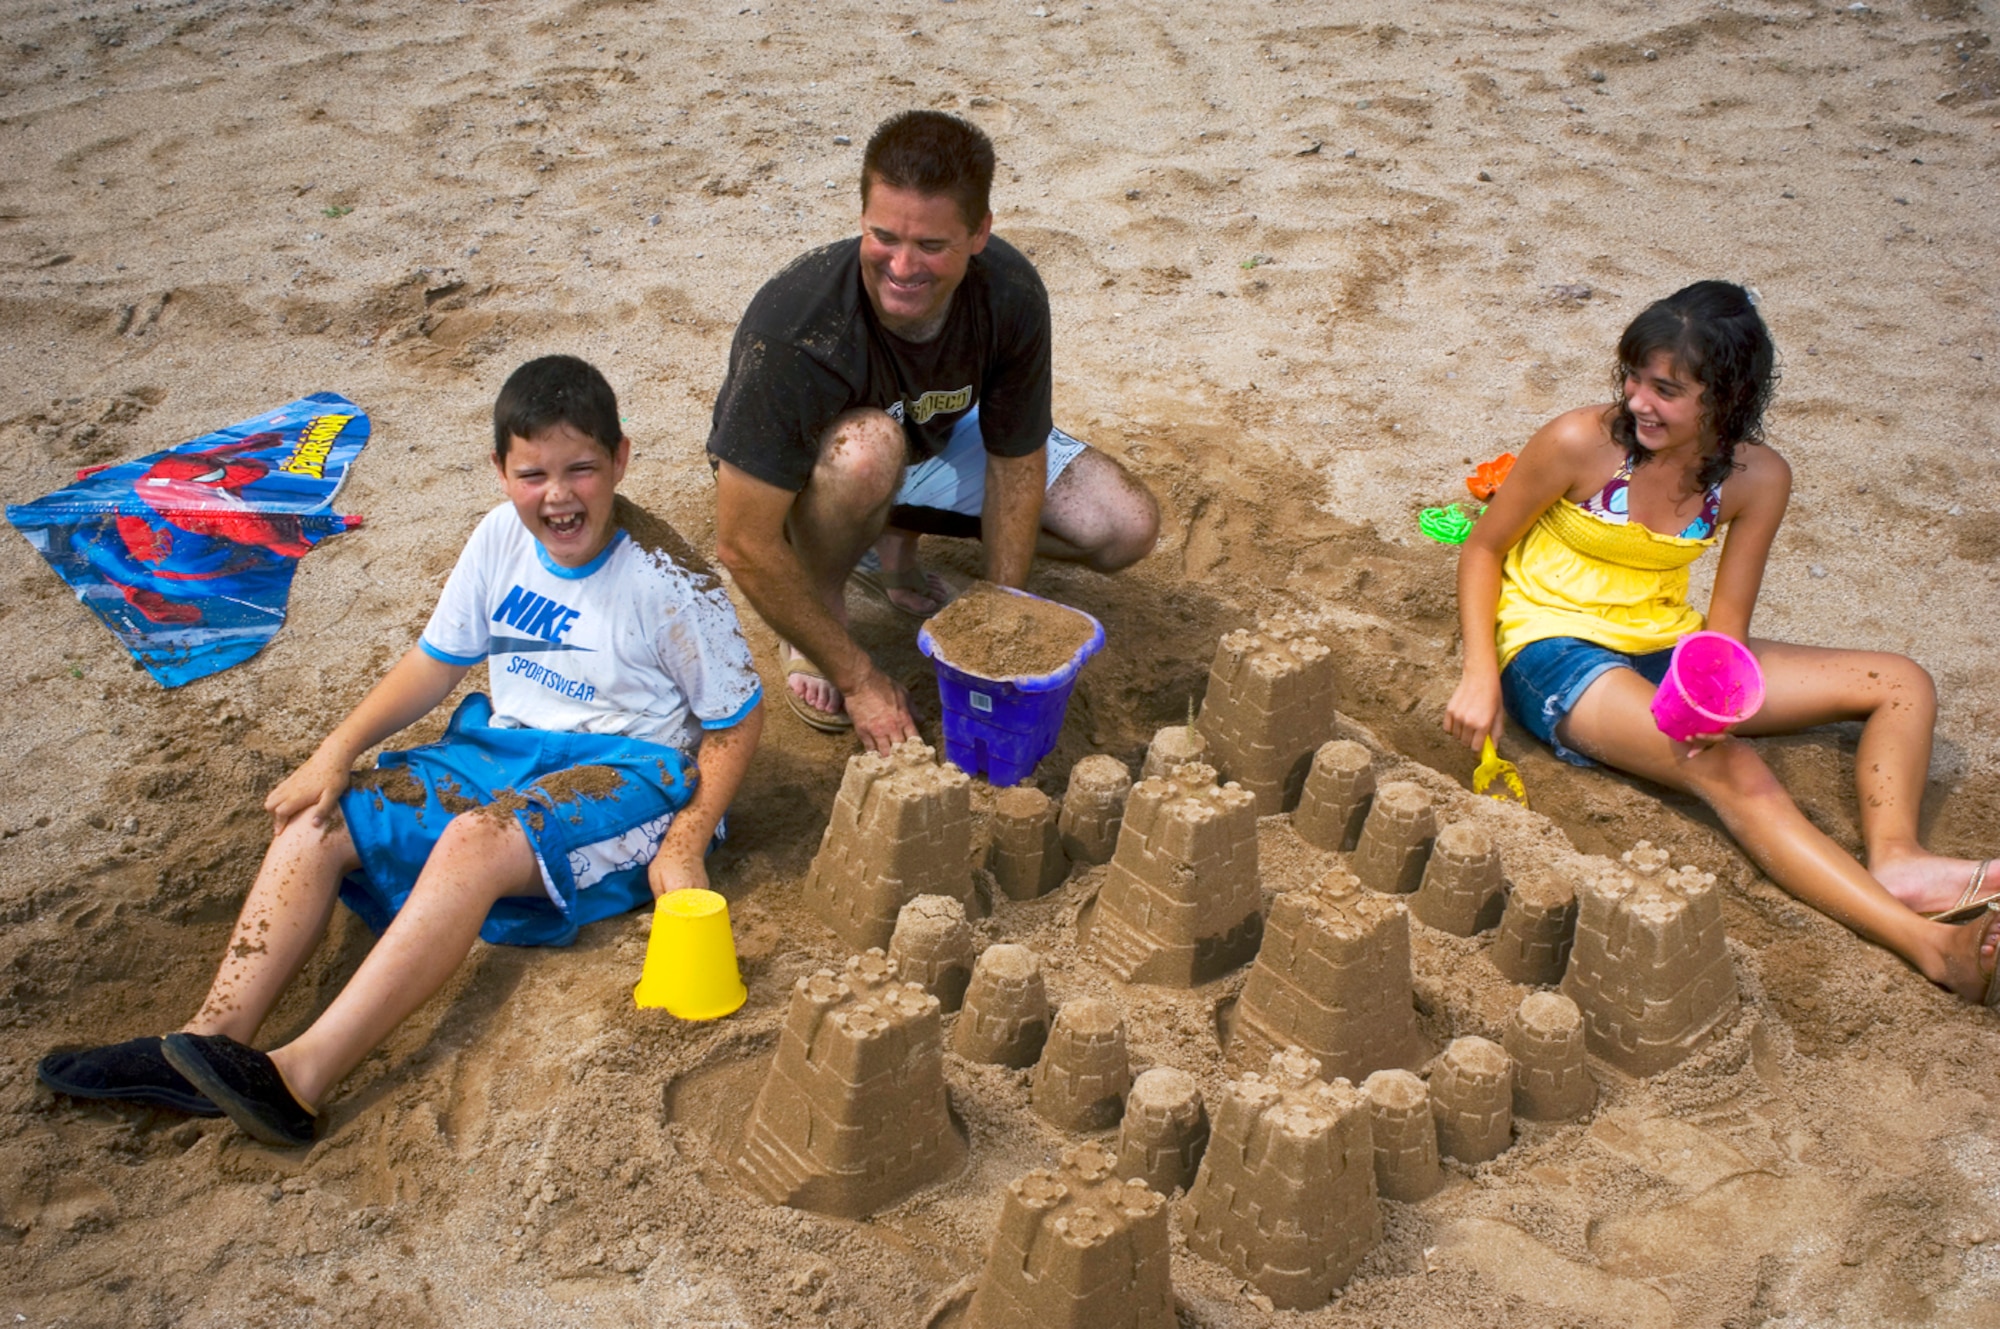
(1491, 768)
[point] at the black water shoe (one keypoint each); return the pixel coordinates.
(135, 1071)
(244, 1083)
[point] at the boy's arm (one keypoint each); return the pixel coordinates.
(406, 694)
(721, 760)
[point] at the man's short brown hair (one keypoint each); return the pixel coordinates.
(929, 152)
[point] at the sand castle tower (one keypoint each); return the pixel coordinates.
(1537, 925)
(1332, 978)
(1286, 1192)
(1339, 787)
(1080, 1082)
(1463, 890)
(1396, 839)
(1005, 1019)
(1077, 1248)
(901, 827)
(1472, 1097)
(1269, 704)
(1406, 1137)
(1180, 905)
(1176, 745)
(1026, 858)
(1650, 970)
(932, 947)
(1164, 1130)
(1545, 1039)
(852, 1115)
(1093, 808)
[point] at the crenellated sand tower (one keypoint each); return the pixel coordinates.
(1463, 890)
(1093, 807)
(1077, 1248)
(1005, 1019)
(1396, 839)
(1269, 705)
(1537, 925)
(852, 1115)
(1545, 1039)
(1650, 969)
(1026, 858)
(1406, 1136)
(901, 827)
(932, 947)
(1339, 788)
(1286, 1192)
(1472, 1097)
(1180, 904)
(1080, 1081)
(1165, 1129)
(1332, 978)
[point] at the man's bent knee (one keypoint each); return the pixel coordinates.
(1102, 508)
(861, 456)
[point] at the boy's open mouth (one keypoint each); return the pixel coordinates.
(569, 523)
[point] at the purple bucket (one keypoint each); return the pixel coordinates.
(1002, 728)
(1712, 682)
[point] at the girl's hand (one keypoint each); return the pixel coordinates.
(1473, 713)
(314, 787)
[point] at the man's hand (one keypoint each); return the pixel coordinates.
(315, 787)
(880, 709)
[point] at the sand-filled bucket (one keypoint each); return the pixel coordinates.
(691, 958)
(1712, 682)
(1001, 726)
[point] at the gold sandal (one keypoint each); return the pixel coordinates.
(1970, 903)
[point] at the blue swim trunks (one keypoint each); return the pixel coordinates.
(594, 807)
(1545, 680)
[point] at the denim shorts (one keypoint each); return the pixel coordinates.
(1543, 683)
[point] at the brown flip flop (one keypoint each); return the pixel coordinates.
(827, 722)
(878, 581)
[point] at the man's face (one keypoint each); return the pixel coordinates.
(914, 249)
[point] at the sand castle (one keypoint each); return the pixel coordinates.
(1077, 1248)
(932, 947)
(1180, 904)
(1339, 787)
(1269, 705)
(1176, 745)
(1332, 978)
(1405, 1134)
(1026, 858)
(852, 1115)
(1080, 1081)
(1093, 808)
(1005, 1019)
(1472, 1097)
(901, 827)
(1536, 928)
(1164, 1130)
(1545, 1039)
(1396, 839)
(1285, 1196)
(1463, 890)
(1649, 970)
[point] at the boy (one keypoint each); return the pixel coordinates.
(565, 799)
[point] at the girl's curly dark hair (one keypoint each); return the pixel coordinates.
(1712, 333)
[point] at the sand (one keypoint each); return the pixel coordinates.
(1309, 264)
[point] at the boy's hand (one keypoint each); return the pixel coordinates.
(313, 788)
(670, 872)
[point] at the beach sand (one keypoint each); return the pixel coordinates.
(1309, 264)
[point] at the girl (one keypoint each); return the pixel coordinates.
(1572, 591)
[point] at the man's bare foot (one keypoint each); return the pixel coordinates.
(813, 697)
(1930, 884)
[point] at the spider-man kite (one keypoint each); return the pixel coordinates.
(187, 555)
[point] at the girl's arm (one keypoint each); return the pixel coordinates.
(721, 760)
(1547, 469)
(1759, 492)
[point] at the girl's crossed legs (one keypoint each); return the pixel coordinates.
(1806, 686)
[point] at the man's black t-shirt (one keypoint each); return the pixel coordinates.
(811, 347)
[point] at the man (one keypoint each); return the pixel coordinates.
(891, 385)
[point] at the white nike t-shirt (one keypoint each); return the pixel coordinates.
(632, 644)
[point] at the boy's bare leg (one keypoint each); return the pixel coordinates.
(478, 860)
(1613, 722)
(1897, 702)
(282, 920)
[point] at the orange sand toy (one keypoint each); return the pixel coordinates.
(1488, 476)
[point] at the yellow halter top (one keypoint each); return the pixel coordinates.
(1621, 586)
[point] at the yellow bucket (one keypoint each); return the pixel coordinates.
(691, 958)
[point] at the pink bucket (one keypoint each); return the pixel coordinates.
(1712, 682)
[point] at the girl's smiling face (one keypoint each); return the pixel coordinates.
(1666, 405)
(561, 482)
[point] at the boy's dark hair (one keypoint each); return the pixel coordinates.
(935, 154)
(555, 390)
(1711, 332)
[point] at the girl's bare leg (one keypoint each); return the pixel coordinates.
(478, 860)
(1897, 703)
(282, 920)
(1614, 724)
